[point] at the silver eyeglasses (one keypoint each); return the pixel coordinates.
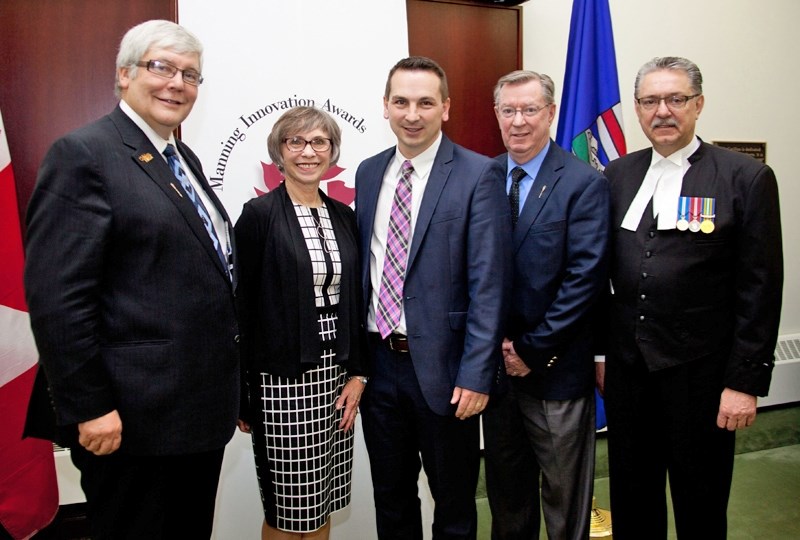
(675, 102)
(168, 71)
(298, 144)
(529, 111)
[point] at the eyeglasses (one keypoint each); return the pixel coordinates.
(674, 102)
(168, 71)
(529, 111)
(298, 144)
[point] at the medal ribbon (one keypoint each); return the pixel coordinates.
(695, 208)
(709, 204)
(683, 208)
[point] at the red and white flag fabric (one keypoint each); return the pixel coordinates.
(28, 486)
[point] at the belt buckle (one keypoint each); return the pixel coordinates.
(391, 343)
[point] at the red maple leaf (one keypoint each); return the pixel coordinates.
(337, 189)
(341, 192)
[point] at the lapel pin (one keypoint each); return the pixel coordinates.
(147, 157)
(544, 187)
(176, 190)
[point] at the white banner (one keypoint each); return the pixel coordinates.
(264, 57)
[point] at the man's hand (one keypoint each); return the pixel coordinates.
(515, 367)
(469, 403)
(600, 377)
(101, 436)
(244, 427)
(736, 410)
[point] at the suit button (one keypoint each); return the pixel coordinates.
(237, 338)
(641, 317)
(644, 275)
(652, 234)
(643, 297)
(648, 254)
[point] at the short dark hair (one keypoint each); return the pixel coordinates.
(418, 63)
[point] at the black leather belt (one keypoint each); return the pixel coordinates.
(394, 342)
(397, 343)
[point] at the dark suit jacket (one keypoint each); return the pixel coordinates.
(130, 305)
(559, 247)
(679, 296)
(458, 271)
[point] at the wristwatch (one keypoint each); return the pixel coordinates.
(360, 378)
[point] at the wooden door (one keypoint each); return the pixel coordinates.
(476, 44)
(57, 61)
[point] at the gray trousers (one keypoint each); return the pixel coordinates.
(525, 438)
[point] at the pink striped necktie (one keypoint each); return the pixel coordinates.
(390, 296)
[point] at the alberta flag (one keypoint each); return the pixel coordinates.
(28, 488)
(590, 121)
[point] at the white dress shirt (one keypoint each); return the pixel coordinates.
(423, 164)
(662, 183)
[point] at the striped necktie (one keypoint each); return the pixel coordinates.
(390, 296)
(186, 184)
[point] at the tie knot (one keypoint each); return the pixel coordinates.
(169, 151)
(517, 173)
(407, 169)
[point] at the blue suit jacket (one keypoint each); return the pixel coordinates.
(130, 306)
(559, 247)
(458, 270)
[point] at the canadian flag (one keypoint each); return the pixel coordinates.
(28, 486)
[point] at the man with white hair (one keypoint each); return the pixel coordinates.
(130, 281)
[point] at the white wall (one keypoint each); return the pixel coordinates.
(745, 50)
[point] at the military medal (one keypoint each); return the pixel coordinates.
(683, 214)
(694, 214)
(708, 215)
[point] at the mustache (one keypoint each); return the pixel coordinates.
(668, 122)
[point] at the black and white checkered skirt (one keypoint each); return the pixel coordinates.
(303, 460)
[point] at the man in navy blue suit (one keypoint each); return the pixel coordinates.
(436, 345)
(544, 424)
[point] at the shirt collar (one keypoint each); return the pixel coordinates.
(149, 132)
(531, 166)
(679, 157)
(423, 163)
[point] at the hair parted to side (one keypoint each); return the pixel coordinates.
(419, 63)
(301, 120)
(522, 76)
(155, 34)
(671, 63)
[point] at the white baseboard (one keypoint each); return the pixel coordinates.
(785, 387)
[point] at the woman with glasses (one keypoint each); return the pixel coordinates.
(301, 339)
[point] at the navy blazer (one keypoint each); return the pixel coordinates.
(130, 305)
(458, 271)
(560, 270)
(704, 295)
